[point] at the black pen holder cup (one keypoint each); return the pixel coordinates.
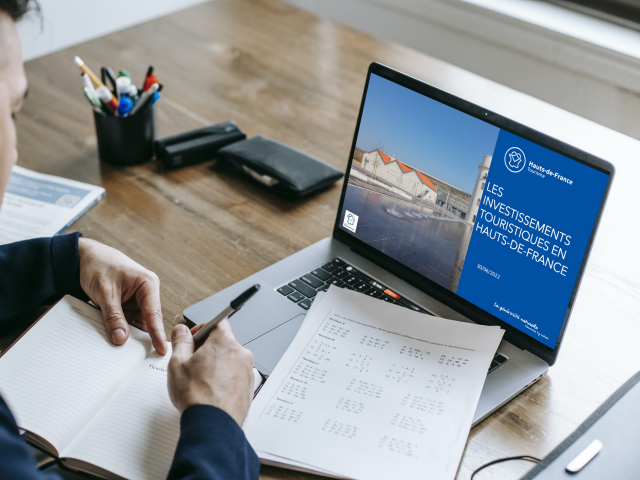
(126, 140)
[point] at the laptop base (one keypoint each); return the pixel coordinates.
(268, 323)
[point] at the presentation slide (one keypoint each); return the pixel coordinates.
(533, 224)
(500, 221)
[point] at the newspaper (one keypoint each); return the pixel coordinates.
(38, 205)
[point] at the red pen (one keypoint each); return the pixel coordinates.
(146, 84)
(150, 80)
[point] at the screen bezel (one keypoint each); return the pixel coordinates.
(466, 308)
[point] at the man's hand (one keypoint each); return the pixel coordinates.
(124, 291)
(219, 373)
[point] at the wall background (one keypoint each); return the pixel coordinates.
(581, 64)
(68, 22)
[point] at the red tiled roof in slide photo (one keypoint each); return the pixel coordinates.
(406, 169)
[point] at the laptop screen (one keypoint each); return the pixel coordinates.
(500, 221)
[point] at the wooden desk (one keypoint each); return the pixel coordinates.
(282, 72)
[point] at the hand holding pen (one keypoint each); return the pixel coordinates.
(235, 305)
(220, 373)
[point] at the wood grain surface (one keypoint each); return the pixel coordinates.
(286, 74)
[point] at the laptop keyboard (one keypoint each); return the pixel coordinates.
(303, 290)
(339, 273)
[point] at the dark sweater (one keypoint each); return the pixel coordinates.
(211, 445)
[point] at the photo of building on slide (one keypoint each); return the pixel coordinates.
(416, 180)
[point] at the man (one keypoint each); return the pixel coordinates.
(211, 388)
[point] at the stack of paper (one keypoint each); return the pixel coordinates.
(371, 390)
(38, 205)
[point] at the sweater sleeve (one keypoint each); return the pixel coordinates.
(35, 270)
(212, 446)
(15, 459)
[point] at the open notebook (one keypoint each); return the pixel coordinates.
(101, 409)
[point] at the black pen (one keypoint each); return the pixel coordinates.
(107, 75)
(235, 305)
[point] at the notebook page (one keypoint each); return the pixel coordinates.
(373, 390)
(63, 370)
(136, 434)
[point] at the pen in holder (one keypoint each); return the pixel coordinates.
(126, 140)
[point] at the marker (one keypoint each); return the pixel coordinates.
(107, 73)
(122, 86)
(124, 73)
(97, 108)
(96, 81)
(87, 81)
(150, 80)
(154, 99)
(145, 98)
(125, 106)
(107, 99)
(89, 85)
(235, 305)
(92, 97)
(149, 72)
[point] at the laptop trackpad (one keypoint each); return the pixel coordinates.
(269, 348)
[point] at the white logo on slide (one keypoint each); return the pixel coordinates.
(515, 160)
(350, 221)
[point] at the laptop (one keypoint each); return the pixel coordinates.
(447, 209)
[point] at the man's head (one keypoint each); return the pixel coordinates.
(13, 85)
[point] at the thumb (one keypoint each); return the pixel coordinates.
(182, 343)
(114, 322)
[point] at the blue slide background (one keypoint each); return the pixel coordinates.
(526, 287)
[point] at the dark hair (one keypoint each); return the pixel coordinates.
(18, 8)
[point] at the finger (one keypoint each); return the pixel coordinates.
(222, 335)
(195, 329)
(224, 329)
(148, 296)
(114, 320)
(182, 343)
(247, 355)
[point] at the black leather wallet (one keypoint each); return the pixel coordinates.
(278, 167)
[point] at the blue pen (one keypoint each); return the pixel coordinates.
(125, 106)
(156, 97)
